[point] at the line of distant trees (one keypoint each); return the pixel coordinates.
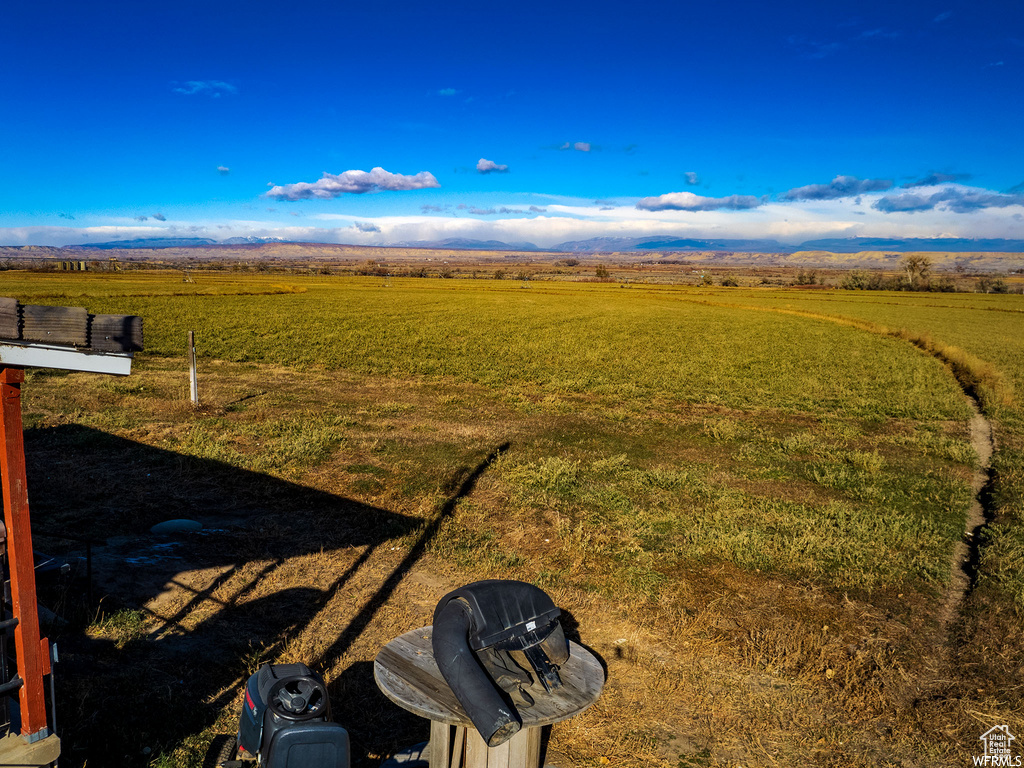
(916, 275)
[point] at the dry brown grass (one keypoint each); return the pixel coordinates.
(721, 667)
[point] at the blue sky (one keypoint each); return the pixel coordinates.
(526, 122)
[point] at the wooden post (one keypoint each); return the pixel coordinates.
(193, 382)
(28, 645)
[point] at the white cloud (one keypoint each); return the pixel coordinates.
(212, 88)
(840, 186)
(936, 177)
(353, 183)
(687, 201)
(954, 198)
(489, 166)
(982, 213)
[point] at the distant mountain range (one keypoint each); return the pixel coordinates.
(147, 242)
(463, 244)
(618, 244)
(834, 245)
(250, 240)
(176, 242)
(610, 244)
(948, 244)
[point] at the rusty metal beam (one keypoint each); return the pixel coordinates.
(28, 645)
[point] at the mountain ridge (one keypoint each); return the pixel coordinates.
(619, 244)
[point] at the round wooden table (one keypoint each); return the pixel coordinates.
(407, 674)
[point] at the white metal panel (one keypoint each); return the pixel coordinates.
(66, 358)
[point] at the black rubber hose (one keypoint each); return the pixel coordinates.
(494, 717)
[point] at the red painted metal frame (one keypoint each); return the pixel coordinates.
(31, 649)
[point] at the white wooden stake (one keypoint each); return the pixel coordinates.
(193, 382)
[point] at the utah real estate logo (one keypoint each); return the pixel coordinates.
(998, 750)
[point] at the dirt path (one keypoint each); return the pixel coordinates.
(964, 564)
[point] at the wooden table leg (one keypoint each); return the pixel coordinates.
(521, 751)
(440, 745)
(458, 745)
(525, 749)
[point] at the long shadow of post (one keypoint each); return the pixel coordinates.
(384, 592)
(117, 702)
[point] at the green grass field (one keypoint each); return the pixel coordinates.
(630, 346)
(684, 457)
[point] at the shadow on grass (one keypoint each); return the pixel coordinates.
(121, 706)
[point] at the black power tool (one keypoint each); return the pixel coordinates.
(285, 723)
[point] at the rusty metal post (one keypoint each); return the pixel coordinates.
(28, 645)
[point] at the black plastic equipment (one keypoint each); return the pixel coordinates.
(308, 745)
(492, 640)
(286, 720)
